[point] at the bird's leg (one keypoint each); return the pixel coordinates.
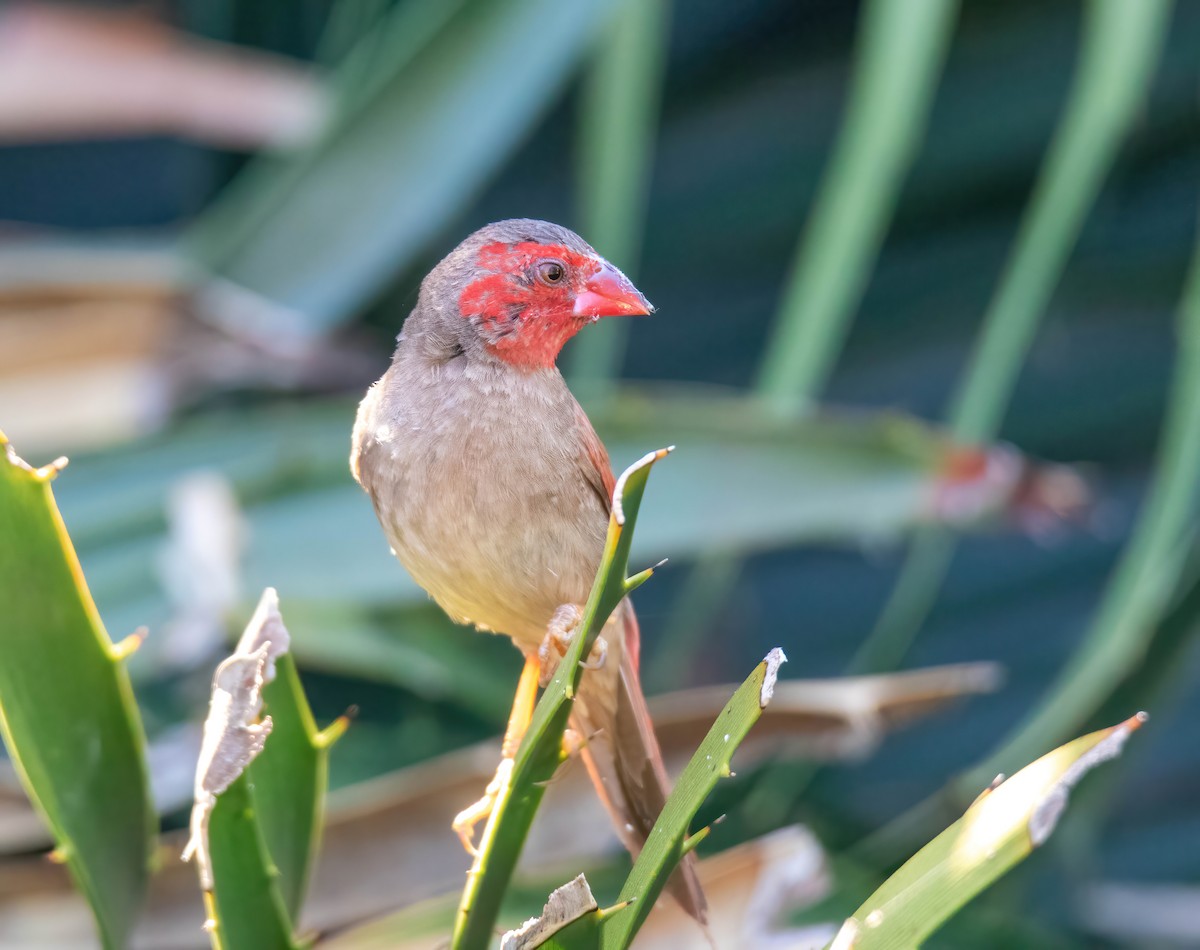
(518, 721)
(559, 634)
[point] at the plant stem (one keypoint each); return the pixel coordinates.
(617, 131)
(1119, 51)
(901, 50)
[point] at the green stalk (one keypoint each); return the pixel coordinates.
(265, 827)
(902, 47)
(669, 840)
(1120, 48)
(1146, 576)
(1000, 829)
(614, 928)
(540, 753)
(420, 124)
(617, 128)
(246, 908)
(1134, 600)
(289, 781)
(67, 711)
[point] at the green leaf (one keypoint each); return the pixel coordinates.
(669, 840)
(254, 851)
(838, 476)
(901, 51)
(423, 123)
(999, 830)
(618, 125)
(1120, 48)
(246, 906)
(540, 753)
(67, 713)
(417, 648)
(288, 781)
(1140, 590)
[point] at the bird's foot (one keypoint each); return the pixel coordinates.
(559, 634)
(465, 821)
(572, 744)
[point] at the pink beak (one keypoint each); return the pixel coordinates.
(609, 293)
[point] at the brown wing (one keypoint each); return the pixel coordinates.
(598, 471)
(622, 754)
(624, 762)
(594, 461)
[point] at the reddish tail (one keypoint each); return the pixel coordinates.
(622, 755)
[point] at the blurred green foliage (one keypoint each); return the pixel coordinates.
(1037, 172)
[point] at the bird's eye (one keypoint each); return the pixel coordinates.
(551, 272)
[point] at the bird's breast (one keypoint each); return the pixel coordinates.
(476, 481)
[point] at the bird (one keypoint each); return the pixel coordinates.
(495, 492)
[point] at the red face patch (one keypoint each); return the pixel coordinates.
(529, 316)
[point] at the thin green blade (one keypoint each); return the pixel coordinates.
(67, 713)
(669, 841)
(540, 753)
(289, 780)
(998, 831)
(420, 130)
(901, 51)
(1120, 49)
(618, 125)
(246, 905)
(260, 790)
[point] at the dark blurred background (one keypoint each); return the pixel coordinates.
(205, 260)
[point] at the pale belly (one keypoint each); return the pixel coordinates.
(489, 514)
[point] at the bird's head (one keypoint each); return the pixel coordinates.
(525, 287)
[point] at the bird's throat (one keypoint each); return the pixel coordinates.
(536, 344)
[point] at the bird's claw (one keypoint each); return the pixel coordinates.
(465, 821)
(559, 634)
(572, 744)
(598, 655)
